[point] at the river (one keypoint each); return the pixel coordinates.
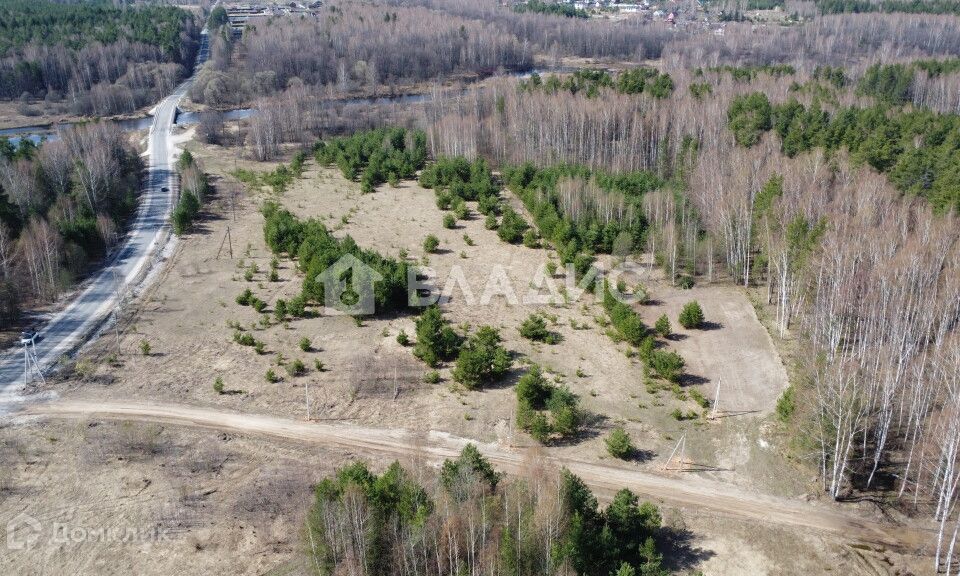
(48, 132)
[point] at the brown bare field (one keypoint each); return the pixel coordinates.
(39, 113)
(369, 379)
(141, 489)
(122, 497)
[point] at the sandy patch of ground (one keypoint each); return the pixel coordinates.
(733, 346)
(134, 498)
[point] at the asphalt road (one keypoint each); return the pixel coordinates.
(99, 296)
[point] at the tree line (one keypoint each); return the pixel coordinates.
(582, 210)
(908, 6)
(359, 48)
(194, 190)
(375, 156)
(470, 519)
(101, 59)
(837, 40)
(934, 84)
(63, 206)
(559, 35)
(917, 149)
(554, 8)
(456, 180)
(590, 81)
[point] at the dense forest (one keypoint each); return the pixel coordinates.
(93, 58)
(63, 207)
(909, 6)
(579, 210)
(918, 150)
(559, 35)
(554, 8)
(364, 48)
(933, 84)
(75, 25)
(836, 40)
(369, 49)
(391, 48)
(472, 520)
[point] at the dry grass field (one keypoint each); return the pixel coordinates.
(369, 378)
(241, 500)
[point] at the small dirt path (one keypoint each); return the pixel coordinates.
(685, 490)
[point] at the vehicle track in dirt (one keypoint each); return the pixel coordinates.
(682, 490)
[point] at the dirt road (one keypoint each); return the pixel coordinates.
(684, 490)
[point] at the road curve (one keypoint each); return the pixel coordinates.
(680, 490)
(70, 327)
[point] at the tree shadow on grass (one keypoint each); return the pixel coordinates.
(507, 381)
(640, 455)
(692, 379)
(591, 427)
(679, 552)
(201, 224)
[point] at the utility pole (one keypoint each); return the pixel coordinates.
(30, 361)
(716, 400)
(682, 448)
(116, 326)
(234, 192)
(119, 307)
(226, 240)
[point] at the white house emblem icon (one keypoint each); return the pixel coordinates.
(348, 287)
(22, 532)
